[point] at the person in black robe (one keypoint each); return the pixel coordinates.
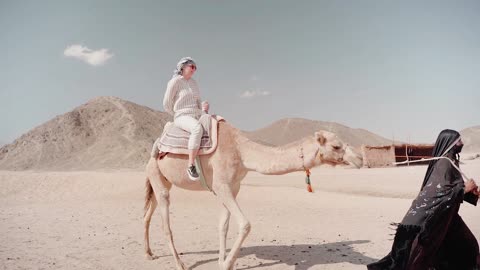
(432, 235)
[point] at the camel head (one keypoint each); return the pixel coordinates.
(327, 148)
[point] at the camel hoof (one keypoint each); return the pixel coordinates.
(182, 266)
(224, 266)
(149, 256)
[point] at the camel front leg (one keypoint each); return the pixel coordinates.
(226, 194)
(223, 230)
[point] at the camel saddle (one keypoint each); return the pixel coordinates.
(175, 140)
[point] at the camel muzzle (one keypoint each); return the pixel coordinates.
(352, 158)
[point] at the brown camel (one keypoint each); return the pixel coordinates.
(225, 168)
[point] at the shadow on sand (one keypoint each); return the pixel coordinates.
(302, 256)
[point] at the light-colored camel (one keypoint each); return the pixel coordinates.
(225, 168)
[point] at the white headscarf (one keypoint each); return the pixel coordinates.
(183, 62)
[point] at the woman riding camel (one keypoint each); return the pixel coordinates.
(182, 101)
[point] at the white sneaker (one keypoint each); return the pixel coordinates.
(192, 173)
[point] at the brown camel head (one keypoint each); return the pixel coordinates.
(329, 149)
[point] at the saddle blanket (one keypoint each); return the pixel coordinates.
(175, 140)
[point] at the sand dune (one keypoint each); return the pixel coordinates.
(93, 219)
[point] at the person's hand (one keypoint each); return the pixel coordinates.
(205, 106)
(476, 191)
(470, 185)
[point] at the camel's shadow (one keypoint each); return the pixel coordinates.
(302, 256)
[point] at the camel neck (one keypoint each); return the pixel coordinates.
(272, 160)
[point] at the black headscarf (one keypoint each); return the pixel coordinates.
(445, 140)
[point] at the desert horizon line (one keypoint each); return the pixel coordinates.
(392, 138)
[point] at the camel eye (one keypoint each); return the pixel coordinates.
(336, 147)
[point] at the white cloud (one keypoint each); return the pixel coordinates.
(91, 57)
(254, 93)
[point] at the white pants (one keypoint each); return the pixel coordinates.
(193, 126)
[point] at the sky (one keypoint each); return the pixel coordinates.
(404, 70)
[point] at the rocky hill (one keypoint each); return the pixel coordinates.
(471, 139)
(106, 132)
(290, 129)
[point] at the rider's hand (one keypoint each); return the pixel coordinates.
(205, 106)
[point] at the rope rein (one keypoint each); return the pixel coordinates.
(436, 158)
(466, 178)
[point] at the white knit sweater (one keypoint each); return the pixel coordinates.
(182, 98)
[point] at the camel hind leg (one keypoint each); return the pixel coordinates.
(161, 191)
(150, 206)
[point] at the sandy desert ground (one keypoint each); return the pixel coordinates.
(93, 219)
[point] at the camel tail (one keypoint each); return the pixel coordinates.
(148, 196)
